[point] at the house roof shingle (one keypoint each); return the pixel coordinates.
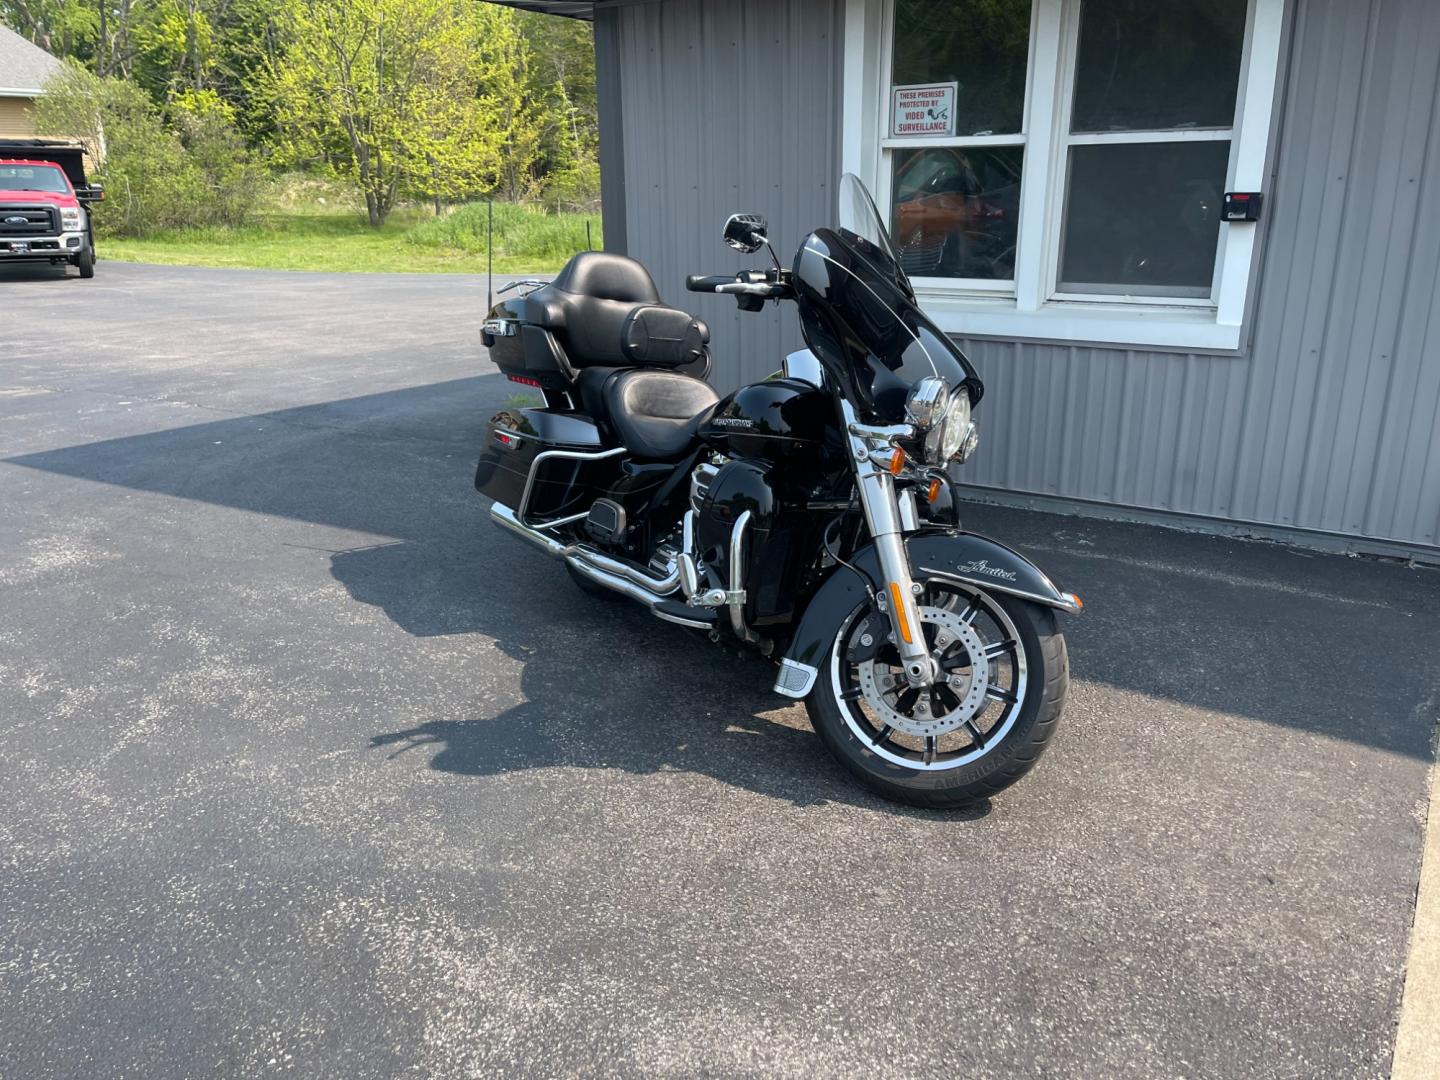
(23, 67)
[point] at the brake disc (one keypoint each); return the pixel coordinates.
(950, 639)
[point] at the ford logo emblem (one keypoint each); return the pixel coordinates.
(17, 219)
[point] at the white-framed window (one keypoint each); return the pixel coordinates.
(1055, 169)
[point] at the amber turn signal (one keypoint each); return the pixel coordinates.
(934, 492)
(902, 616)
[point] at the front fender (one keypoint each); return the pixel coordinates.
(967, 557)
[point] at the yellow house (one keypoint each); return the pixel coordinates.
(23, 70)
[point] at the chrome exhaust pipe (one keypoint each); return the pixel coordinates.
(613, 581)
(659, 587)
(612, 573)
(505, 517)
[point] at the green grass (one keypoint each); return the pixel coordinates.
(520, 233)
(315, 237)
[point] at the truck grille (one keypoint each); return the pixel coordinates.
(37, 220)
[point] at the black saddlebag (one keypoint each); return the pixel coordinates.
(564, 483)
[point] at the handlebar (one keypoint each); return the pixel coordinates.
(701, 283)
(756, 285)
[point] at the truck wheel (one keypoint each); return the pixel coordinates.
(86, 261)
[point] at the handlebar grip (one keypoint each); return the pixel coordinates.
(702, 283)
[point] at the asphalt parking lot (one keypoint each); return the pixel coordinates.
(309, 769)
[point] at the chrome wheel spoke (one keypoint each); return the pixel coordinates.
(997, 649)
(979, 658)
(999, 693)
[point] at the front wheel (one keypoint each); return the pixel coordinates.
(85, 261)
(1003, 675)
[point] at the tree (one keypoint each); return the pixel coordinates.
(437, 99)
(155, 177)
(561, 82)
(397, 96)
(62, 27)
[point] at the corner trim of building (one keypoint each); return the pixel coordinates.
(1313, 539)
(1417, 1040)
(609, 105)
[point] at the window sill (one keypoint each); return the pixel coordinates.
(1150, 326)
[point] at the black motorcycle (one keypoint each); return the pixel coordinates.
(810, 516)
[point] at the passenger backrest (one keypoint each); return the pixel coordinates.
(607, 277)
(606, 311)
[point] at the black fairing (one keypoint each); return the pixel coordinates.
(780, 538)
(738, 486)
(781, 420)
(860, 318)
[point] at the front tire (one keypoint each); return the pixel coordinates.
(966, 739)
(85, 261)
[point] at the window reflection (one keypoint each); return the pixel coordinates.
(1149, 65)
(982, 45)
(1143, 218)
(955, 211)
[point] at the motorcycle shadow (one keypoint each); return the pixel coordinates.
(605, 685)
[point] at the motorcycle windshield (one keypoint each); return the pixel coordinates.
(860, 219)
(860, 316)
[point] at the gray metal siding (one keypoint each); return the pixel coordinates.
(728, 106)
(1327, 421)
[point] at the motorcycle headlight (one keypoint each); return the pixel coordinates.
(956, 426)
(948, 438)
(927, 402)
(972, 440)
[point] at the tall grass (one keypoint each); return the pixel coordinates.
(309, 225)
(520, 232)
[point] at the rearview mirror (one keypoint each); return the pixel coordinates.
(93, 193)
(746, 232)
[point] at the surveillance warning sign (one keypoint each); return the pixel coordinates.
(923, 110)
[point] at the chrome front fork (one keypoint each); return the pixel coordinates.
(886, 517)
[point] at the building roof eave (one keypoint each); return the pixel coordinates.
(570, 9)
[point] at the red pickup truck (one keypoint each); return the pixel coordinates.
(44, 201)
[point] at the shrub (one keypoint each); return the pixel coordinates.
(576, 187)
(155, 178)
(232, 182)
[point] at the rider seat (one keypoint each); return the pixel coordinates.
(657, 414)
